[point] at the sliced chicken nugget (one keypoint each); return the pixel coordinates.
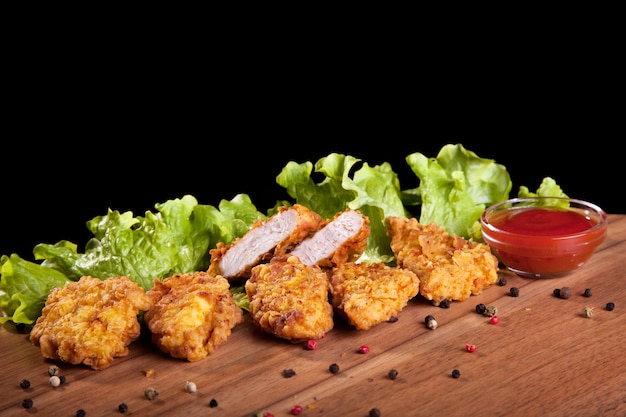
(290, 299)
(342, 239)
(265, 239)
(369, 294)
(192, 314)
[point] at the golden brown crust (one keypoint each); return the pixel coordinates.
(290, 299)
(192, 314)
(449, 267)
(90, 321)
(369, 294)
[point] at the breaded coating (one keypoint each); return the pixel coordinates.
(192, 314)
(369, 294)
(448, 266)
(266, 238)
(90, 321)
(341, 239)
(290, 299)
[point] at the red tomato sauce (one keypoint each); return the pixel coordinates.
(542, 222)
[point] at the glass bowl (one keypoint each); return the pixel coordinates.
(543, 236)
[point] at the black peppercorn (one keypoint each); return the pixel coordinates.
(81, 413)
(393, 374)
(122, 408)
(288, 373)
(514, 291)
(393, 319)
(587, 292)
(502, 281)
(213, 403)
(481, 308)
(565, 292)
(444, 303)
(333, 368)
(374, 412)
(557, 292)
(24, 384)
(456, 373)
(610, 306)
(27, 403)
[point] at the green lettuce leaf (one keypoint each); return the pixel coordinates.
(456, 187)
(24, 288)
(175, 239)
(374, 191)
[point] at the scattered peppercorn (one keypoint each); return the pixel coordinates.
(55, 381)
(565, 292)
(288, 373)
(556, 292)
(122, 408)
(587, 311)
(62, 379)
(213, 403)
(311, 344)
(491, 311)
(456, 373)
(297, 410)
(364, 349)
(24, 384)
(481, 308)
(190, 386)
(444, 303)
(150, 393)
(610, 306)
(470, 347)
(268, 414)
(430, 321)
(333, 368)
(587, 292)
(27, 403)
(514, 291)
(502, 281)
(392, 319)
(374, 412)
(81, 413)
(393, 374)
(494, 320)
(53, 370)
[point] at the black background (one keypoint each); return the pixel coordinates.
(74, 147)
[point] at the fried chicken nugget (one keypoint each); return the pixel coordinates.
(449, 266)
(192, 314)
(90, 321)
(369, 294)
(290, 299)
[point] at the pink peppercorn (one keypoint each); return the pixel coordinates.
(494, 320)
(470, 348)
(364, 349)
(296, 410)
(311, 344)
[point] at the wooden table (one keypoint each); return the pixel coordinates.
(543, 359)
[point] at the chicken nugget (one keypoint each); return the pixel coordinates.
(448, 266)
(192, 314)
(290, 299)
(369, 294)
(90, 321)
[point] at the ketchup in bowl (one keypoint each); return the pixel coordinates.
(533, 237)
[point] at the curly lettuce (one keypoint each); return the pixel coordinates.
(175, 239)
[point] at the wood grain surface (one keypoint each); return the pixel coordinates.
(544, 358)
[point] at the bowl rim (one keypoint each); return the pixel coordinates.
(602, 223)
